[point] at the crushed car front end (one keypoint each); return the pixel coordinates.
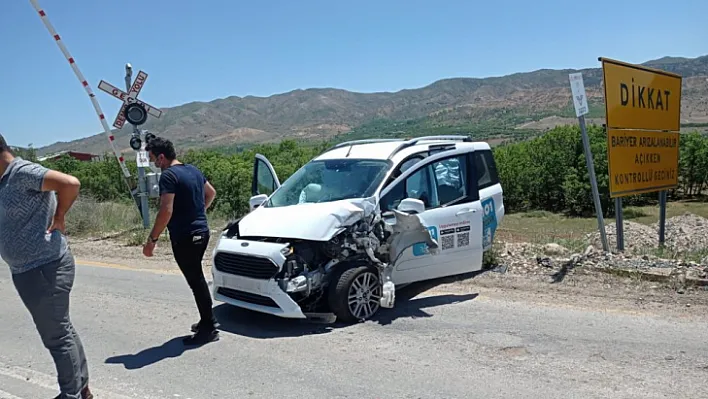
(284, 270)
(299, 277)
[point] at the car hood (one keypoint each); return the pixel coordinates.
(309, 221)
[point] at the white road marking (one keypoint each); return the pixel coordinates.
(50, 382)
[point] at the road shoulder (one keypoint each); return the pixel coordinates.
(582, 288)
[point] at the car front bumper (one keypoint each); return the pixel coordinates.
(240, 280)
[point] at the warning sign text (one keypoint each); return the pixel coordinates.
(642, 161)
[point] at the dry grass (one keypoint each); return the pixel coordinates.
(90, 218)
(543, 227)
(95, 219)
(650, 214)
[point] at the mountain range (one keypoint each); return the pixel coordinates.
(491, 107)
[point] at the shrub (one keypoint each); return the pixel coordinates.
(546, 173)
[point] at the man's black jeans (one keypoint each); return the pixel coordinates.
(188, 252)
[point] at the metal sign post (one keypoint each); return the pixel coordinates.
(580, 101)
(140, 117)
(135, 112)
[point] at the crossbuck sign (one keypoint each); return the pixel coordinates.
(129, 98)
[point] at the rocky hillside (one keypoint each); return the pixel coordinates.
(532, 101)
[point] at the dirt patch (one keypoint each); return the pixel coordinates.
(119, 251)
(583, 288)
(687, 233)
(637, 236)
(685, 236)
(515, 351)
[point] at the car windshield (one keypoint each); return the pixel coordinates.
(331, 180)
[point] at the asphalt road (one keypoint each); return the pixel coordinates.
(440, 346)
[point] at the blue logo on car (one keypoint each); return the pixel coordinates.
(489, 223)
(421, 248)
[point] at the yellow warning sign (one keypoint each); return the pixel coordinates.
(643, 122)
(642, 161)
(638, 97)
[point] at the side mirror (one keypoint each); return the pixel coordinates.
(257, 201)
(411, 206)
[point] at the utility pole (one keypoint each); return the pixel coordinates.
(140, 156)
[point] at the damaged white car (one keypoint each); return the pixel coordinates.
(357, 222)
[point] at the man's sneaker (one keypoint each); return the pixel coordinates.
(202, 337)
(195, 326)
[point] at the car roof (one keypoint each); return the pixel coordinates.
(384, 148)
(370, 151)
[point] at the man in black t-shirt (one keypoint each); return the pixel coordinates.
(185, 195)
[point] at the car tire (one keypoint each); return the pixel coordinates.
(362, 283)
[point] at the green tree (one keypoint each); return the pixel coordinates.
(543, 173)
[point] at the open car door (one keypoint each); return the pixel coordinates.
(265, 181)
(440, 191)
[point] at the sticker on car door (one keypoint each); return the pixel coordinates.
(447, 238)
(454, 235)
(489, 223)
(421, 248)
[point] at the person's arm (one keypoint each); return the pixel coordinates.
(163, 215)
(209, 194)
(67, 188)
(37, 178)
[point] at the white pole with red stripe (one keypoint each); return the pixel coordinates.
(86, 86)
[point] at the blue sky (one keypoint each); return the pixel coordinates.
(208, 49)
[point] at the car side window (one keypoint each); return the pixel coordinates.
(418, 186)
(265, 180)
(402, 168)
(451, 179)
(415, 186)
(394, 197)
(438, 183)
(407, 164)
(486, 169)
